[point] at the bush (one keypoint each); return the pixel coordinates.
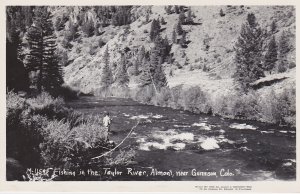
(113, 91)
(162, 98)
(145, 94)
(195, 100)
(22, 131)
(268, 107)
(101, 42)
(176, 101)
(292, 65)
(66, 148)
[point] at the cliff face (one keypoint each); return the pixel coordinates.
(207, 60)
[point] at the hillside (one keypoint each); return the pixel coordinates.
(85, 61)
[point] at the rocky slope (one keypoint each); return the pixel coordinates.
(85, 58)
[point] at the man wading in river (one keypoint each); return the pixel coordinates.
(106, 123)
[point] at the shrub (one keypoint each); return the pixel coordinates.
(101, 42)
(22, 131)
(113, 91)
(292, 65)
(176, 93)
(162, 98)
(195, 100)
(268, 107)
(145, 94)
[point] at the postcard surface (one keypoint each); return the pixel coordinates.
(168, 96)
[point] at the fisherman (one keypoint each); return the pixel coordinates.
(107, 122)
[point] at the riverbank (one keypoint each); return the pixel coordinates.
(42, 133)
(269, 106)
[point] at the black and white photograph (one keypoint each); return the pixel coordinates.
(150, 93)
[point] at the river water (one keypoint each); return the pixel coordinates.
(179, 145)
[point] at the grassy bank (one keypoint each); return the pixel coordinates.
(42, 133)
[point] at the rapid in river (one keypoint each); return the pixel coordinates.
(179, 145)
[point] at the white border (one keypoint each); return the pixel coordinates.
(132, 186)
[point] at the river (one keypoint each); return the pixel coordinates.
(179, 145)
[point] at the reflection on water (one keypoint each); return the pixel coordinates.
(168, 139)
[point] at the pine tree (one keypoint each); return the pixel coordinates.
(189, 18)
(179, 29)
(141, 54)
(42, 58)
(273, 27)
(168, 9)
(145, 78)
(176, 9)
(283, 49)
(156, 59)
(222, 13)
(174, 37)
(122, 78)
(107, 77)
(181, 17)
(106, 56)
(153, 74)
(249, 54)
(182, 41)
(155, 29)
(284, 46)
(136, 67)
(88, 28)
(271, 55)
(166, 49)
(162, 21)
(147, 18)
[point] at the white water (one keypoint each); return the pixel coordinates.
(242, 126)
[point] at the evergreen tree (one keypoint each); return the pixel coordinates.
(189, 18)
(88, 28)
(42, 59)
(122, 16)
(182, 41)
(153, 74)
(141, 54)
(106, 56)
(158, 52)
(284, 46)
(222, 13)
(162, 21)
(179, 29)
(283, 49)
(271, 55)
(273, 27)
(168, 9)
(249, 54)
(122, 78)
(145, 78)
(147, 18)
(174, 37)
(136, 67)
(176, 9)
(181, 17)
(158, 75)
(107, 77)
(155, 29)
